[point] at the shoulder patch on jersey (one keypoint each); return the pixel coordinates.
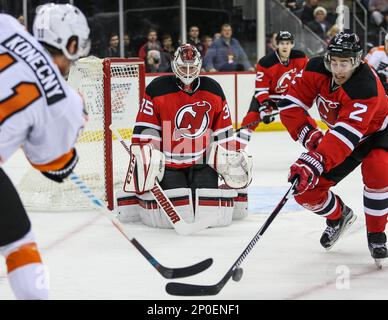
(296, 54)
(269, 60)
(162, 85)
(362, 84)
(211, 85)
(317, 65)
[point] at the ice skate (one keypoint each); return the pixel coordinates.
(336, 228)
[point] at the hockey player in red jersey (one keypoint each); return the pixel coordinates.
(186, 119)
(274, 75)
(352, 102)
(41, 114)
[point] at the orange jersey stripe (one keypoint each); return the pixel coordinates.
(56, 164)
(25, 255)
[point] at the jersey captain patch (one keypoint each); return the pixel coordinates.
(192, 120)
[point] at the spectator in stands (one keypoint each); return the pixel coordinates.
(21, 19)
(151, 44)
(157, 61)
(384, 24)
(167, 45)
(166, 54)
(216, 36)
(113, 49)
(332, 32)
(271, 43)
(295, 6)
(320, 25)
(307, 14)
(206, 41)
(226, 53)
(128, 50)
(376, 9)
(194, 39)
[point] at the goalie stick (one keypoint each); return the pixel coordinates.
(180, 225)
(185, 289)
(166, 272)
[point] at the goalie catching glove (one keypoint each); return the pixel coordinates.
(146, 166)
(235, 167)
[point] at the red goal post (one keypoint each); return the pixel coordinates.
(112, 89)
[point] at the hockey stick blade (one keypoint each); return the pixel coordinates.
(179, 224)
(166, 272)
(173, 273)
(185, 289)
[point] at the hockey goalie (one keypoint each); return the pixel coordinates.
(183, 138)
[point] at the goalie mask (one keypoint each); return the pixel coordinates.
(187, 63)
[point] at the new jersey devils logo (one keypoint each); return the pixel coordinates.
(192, 120)
(284, 81)
(328, 110)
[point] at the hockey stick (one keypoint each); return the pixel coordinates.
(180, 225)
(253, 123)
(185, 289)
(166, 272)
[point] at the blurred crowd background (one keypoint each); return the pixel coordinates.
(224, 31)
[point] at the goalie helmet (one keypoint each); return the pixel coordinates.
(187, 63)
(56, 24)
(344, 44)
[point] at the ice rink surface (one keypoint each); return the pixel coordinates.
(88, 259)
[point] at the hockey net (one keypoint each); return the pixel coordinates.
(112, 90)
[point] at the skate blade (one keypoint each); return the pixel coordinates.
(346, 227)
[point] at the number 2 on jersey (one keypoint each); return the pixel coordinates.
(362, 109)
(24, 93)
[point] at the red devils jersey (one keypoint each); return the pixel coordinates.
(273, 78)
(352, 111)
(180, 124)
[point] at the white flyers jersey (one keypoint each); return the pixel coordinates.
(39, 111)
(378, 59)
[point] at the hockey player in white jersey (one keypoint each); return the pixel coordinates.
(378, 59)
(40, 113)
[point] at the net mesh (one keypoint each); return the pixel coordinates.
(86, 76)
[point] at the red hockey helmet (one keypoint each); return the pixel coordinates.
(187, 63)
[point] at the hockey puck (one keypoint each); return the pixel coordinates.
(237, 274)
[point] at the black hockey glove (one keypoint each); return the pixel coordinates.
(61, 174)
(266, 110)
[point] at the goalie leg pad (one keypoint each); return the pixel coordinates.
(215, 201)
(153, 216)
(235, 167)
(240, 210)
(127, 207)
